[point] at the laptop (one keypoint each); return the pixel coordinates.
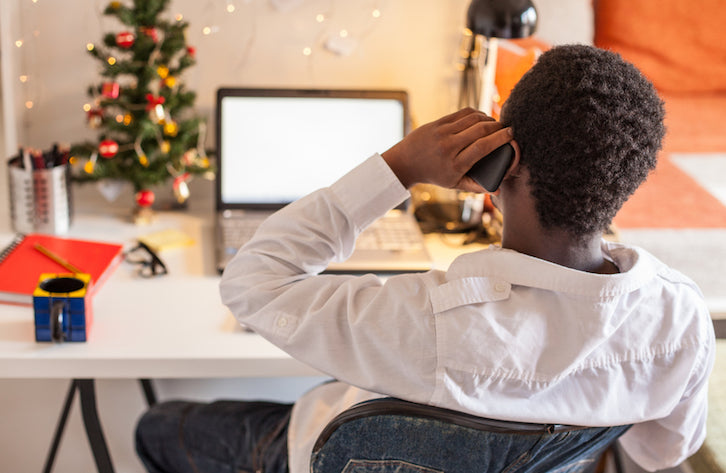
(277, 145)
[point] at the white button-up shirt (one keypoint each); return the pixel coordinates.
(499, 334)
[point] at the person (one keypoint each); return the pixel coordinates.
(555, 326)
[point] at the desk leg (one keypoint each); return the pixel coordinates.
(149, 393)
(50, 459)
(87, 390)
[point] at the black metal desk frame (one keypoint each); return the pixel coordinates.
(87, 393)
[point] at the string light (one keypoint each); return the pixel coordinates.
(343, 33)
(29, 104)
(111, 60)
(376, 13)
(230, 8)
(90, 46)
(320, 18)
(307, 51)
(23, 78)
(19, 43)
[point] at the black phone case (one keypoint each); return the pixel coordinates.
(490, 170)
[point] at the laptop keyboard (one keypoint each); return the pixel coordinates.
(238, 231)
(390, 233)
(387, 233)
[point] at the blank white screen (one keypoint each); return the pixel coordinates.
(277, 149)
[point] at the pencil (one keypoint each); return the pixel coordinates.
(57, 258)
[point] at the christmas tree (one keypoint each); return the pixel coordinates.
(148, 132)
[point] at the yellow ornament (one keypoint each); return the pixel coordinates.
(171, 128)
(170, 81)
(204, 162)
(165, 146)
(115, 5)
(144, 160)
(163, 71)
(88, 167)
(127, 119)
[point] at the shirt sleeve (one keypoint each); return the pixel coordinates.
(667, 442)
(354, 328)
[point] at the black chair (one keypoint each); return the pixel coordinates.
(390, 435)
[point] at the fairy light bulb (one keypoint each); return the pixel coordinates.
(307, 51)
(320, 18)
(111, 60)
(90, 46)
(23, 78)
(230, 8)
(343, 33)
(19, 43)
(376, 13)
(86, 107)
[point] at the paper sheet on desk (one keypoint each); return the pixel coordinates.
(166, 239)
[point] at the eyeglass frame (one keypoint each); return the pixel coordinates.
(155, 262)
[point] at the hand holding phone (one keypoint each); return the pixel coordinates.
(489, 171)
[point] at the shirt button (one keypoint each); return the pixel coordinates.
(500, 287)
(282, 322)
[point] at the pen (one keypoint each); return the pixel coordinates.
(56, 258)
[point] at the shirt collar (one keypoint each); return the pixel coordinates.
(637, 268)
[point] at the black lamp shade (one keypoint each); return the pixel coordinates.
(502, 18)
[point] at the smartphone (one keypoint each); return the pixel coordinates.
(490, 170)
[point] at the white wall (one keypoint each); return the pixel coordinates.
(413, 45)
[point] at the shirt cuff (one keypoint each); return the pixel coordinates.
(369, 191)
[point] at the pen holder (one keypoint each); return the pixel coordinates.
(40, 200)
(62, 307)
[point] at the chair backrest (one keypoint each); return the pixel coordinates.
(390, 435)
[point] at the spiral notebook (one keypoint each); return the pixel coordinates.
(22, 263)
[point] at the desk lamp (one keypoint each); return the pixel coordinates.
(490, 20)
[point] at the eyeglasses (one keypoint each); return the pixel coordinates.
(150, 264)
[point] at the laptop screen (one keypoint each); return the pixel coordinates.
(277, 145)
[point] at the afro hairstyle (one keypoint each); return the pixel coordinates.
(589, 126)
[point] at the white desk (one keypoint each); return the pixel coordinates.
(171, 326)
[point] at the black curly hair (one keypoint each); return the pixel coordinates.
(589, 126)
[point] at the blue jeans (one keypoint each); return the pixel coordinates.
(219, 437)
(392, 436)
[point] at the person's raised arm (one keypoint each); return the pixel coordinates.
(441, 152)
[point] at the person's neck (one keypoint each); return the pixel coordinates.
(560, 248)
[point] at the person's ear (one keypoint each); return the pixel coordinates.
(513, 169)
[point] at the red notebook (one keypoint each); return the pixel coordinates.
(21, 264)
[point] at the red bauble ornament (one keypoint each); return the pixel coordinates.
(191, 50)
(125, 39)
(151, 32)
(110, 90)
(144, 198)
(108, 148)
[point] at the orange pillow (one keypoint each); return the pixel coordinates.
(514, 58)
(679, 45)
